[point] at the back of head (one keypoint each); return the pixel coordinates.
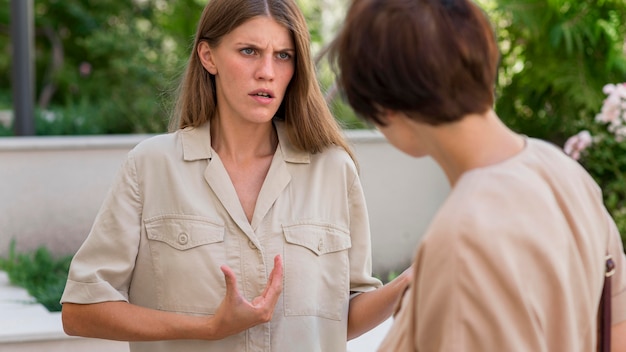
(435, 60)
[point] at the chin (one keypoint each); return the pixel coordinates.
(416, 155)
(261, 119)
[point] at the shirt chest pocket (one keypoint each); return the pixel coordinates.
(183, 233)
(317, 270)
(187, 252)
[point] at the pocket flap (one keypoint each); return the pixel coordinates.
(320, 239)
(184, 231)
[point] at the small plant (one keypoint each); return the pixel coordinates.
(600, 147)
(42, 275)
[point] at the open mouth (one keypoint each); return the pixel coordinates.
(262, 94)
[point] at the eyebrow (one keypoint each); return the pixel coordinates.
(256, 46)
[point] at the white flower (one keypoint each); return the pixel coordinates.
(620, 133)
(608, 89)
(613, 109)
(612, 116)
(620, 91)
(577, 143)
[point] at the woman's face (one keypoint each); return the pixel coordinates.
(253, 65)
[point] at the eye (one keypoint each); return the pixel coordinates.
(284, 56)
(247, 51)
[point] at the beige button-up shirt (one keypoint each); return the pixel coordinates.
(172, 218)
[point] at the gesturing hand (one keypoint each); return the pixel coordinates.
(236, 314)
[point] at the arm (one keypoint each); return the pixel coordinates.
(127, 322)
(376, 302)
(618, 337)
(369, 309)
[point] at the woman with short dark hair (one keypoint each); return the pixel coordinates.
(514, 260)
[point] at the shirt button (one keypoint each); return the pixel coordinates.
(183, 238)
(251, 244)
(320, 246)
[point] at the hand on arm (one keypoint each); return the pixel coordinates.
(127, 322)
(369, 309)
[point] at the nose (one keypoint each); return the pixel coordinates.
(265, 70)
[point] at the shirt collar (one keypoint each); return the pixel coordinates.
(196, 143)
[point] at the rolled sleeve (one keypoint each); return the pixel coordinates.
(102, 268)
(361, 279)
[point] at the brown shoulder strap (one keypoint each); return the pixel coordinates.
(604, 343)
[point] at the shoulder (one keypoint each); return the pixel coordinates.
(553, 158)
(332, 169)
(156, 144)
(533, 199)
(156, 151)
(334, 156)
(335, 163)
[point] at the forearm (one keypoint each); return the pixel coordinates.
(369, 309)
(127, 322)
(618, 337)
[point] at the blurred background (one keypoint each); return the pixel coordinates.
(111, 67)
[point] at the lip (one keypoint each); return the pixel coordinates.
(262, 99)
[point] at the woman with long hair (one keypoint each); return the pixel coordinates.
(245, 229)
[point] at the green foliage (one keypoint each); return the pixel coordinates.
(600, 148)
(109, 65)
(606, 163)
(556, 57)
(42, 275)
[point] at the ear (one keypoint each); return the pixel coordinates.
(389, 116)
(206, 57)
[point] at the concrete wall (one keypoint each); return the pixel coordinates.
(52, 187)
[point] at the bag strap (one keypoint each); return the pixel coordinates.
(604, 343)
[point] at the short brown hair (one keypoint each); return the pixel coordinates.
(434, 60)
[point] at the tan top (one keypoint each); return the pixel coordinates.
(172, 218)
(513, 261)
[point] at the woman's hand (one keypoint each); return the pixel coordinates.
(236, 314)
(128, 322)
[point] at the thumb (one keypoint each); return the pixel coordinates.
(230, 279)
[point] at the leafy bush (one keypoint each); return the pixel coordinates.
(600, 147)
(103, 67)
(111, 67)
(556, 57)
(42, 275)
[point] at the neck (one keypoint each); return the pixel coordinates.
(473, 142)
(242, 142)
